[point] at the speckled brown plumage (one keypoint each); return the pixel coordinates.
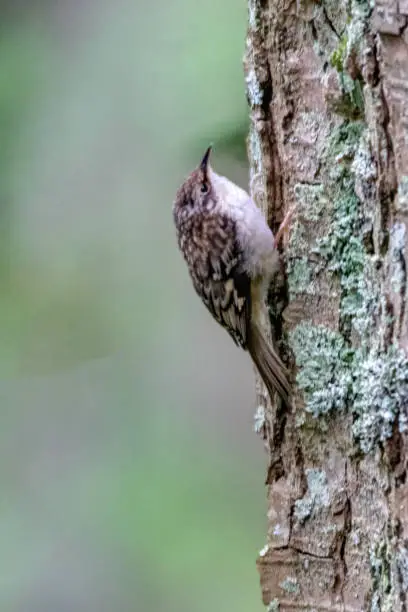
(231, 257)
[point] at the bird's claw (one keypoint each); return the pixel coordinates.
(285, 223)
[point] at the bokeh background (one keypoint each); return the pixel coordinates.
(131, 479)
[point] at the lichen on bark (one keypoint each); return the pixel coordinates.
(328, 94)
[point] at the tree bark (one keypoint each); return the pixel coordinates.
(327, 85)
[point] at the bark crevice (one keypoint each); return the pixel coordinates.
(328, 94)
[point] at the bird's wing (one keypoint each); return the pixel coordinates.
(220, 280)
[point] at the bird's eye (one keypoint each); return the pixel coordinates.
(204, 188)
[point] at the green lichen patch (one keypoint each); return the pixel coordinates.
(349, 102)
(402, 566)
(311, 203)
(353, 89)
(380, 396)
(358, 26)
(300, 276)
(333, 375)
(362, 303)
(299, 269)
(343, 144)
(298, 243)
(363, 167)
(339, 54)
(380, 568)
(273, 606)
(347, 59)
(290, 585)
(348, 369)
(317, 495)
(324, 376)
(310, 200)
(397, 267)
(342, 251)
(352, 40)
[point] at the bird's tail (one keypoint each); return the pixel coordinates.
(269, 365)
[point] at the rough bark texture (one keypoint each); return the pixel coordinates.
(327, 86)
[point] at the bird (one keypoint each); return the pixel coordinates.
(232, 257)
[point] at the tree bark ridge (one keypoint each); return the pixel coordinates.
(327, 86)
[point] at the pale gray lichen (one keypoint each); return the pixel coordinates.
(324, 376)
(380, 568)
(348, 53)
(347, 163)
(352, 101)
(311, 122)
(298, 240)
(253, 15)
(333, 375)
(259, 419)
(273, 606)
(298, 268)
(317, 495)
(306, 564)
(317, 48)
(397, 238)
(364, 171)
(362, 302)
(363, 166)
(398, 272)
(277, 530)
(380, 396)
(337, 14)
(342, 248)
(325, 39)
(355, 536)
(256, 170)
(290, 585)
(299, 276)
(360, 13)
(375, 602)
(342, 251)
(336, 248)
(254, 90)
(311, 200)
(402, 565)
(343, 144)
(347, 98)
(264, 550)
(402, 200)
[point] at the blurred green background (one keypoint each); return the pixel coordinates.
(131, 478)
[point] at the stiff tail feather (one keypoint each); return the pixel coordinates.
(269, 365)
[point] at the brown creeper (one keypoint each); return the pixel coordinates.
(231, 256)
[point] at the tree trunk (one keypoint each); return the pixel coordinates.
(327, 85)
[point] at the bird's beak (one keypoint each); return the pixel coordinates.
(204, 161)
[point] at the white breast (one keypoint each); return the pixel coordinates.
(253, 232)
